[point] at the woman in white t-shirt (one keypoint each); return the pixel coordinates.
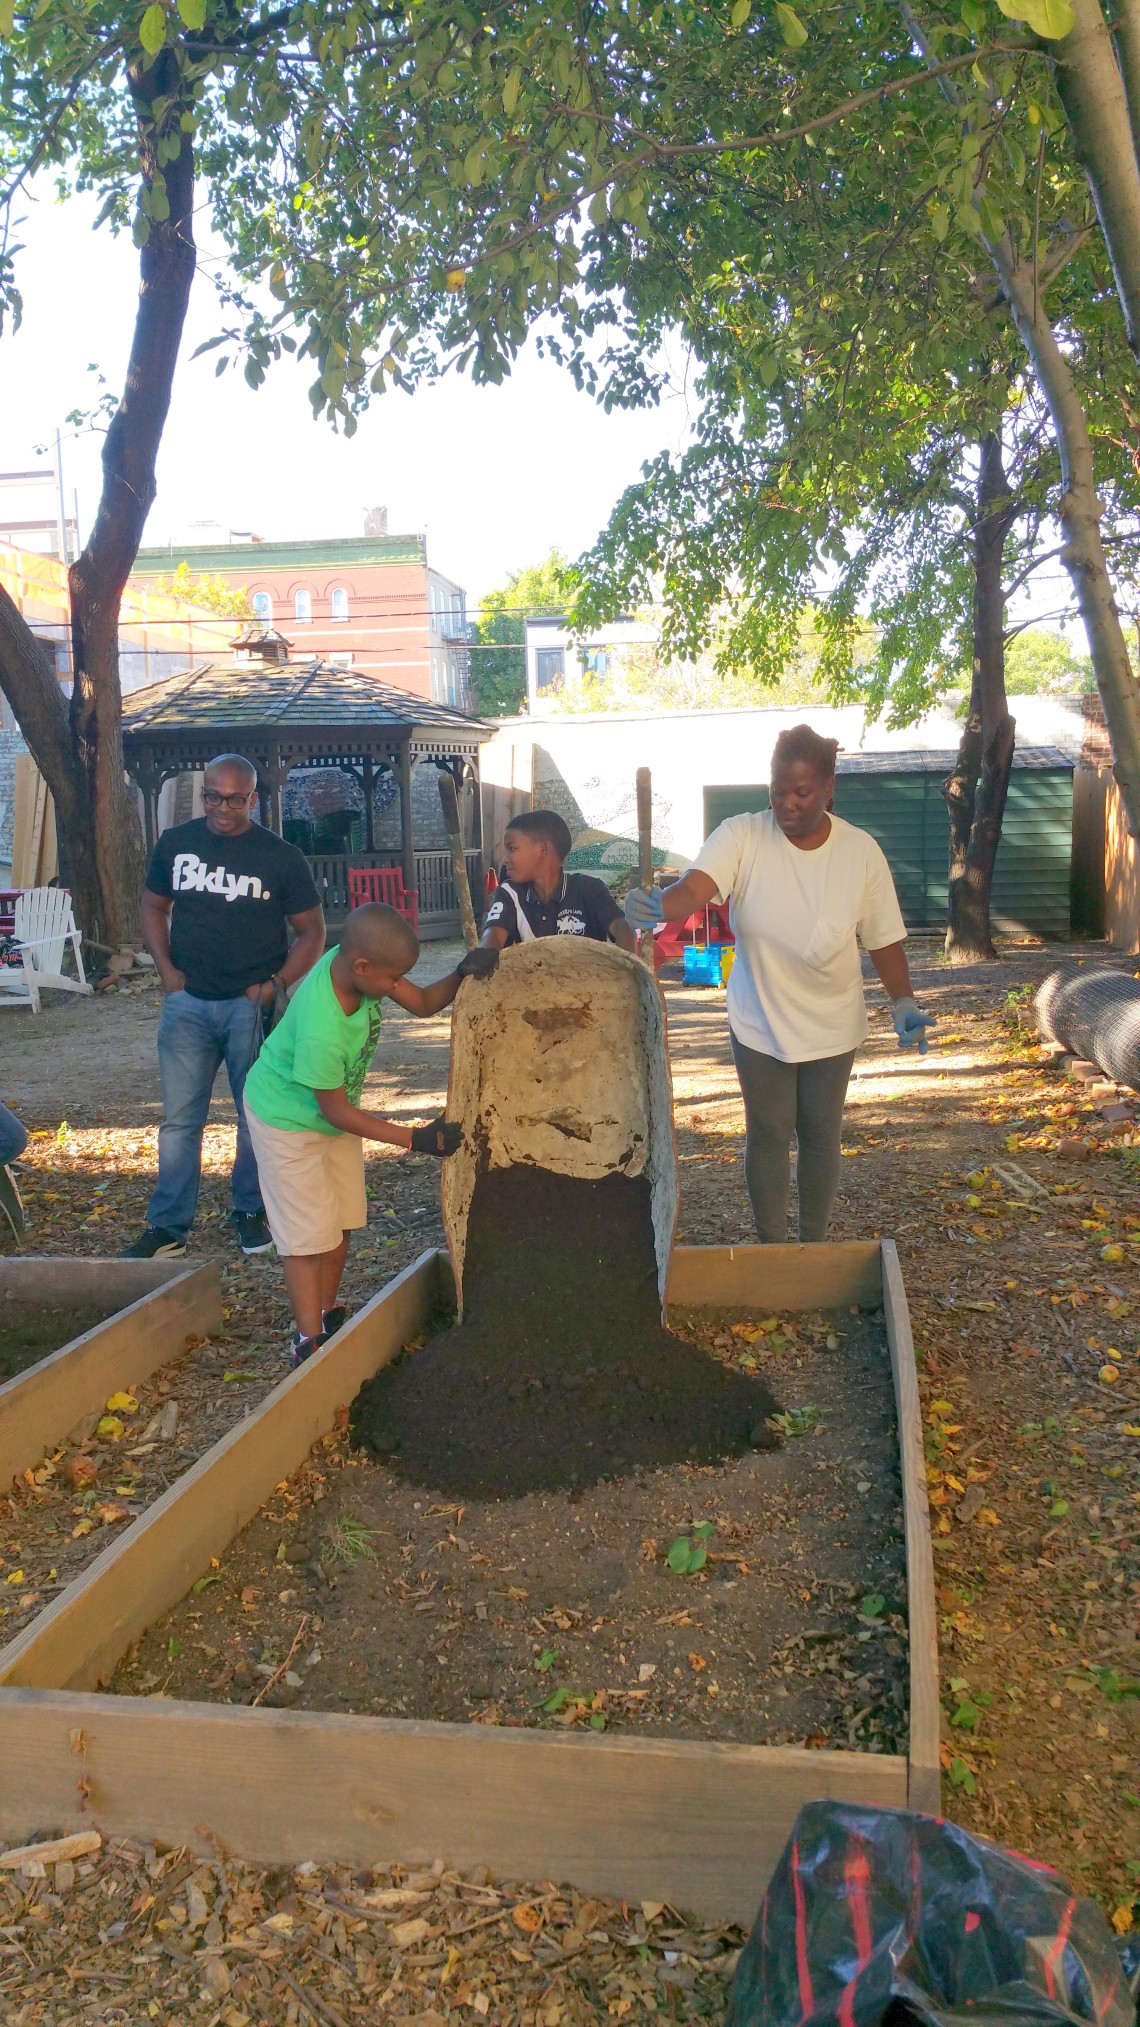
(803, 886)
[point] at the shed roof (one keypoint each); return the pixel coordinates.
(928, 760)
(288, 697)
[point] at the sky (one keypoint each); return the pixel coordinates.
(496, 477)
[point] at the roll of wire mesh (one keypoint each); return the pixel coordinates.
(1096, 1015)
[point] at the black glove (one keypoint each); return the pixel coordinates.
(440, 1136)
(482, 962)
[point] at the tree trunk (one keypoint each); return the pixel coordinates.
(1096, 105)
(976, 789)
(80, 754)
(166, 274)
(1126, 35)
(1080, 514)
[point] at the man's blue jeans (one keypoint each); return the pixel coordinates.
(195, 1037)
(13, 1136)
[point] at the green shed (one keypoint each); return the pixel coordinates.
(898, 798)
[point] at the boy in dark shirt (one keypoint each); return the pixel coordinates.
(538, 897)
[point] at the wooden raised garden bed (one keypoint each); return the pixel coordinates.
(697, 1824)
(150, 1310)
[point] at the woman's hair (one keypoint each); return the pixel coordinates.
(799, 742)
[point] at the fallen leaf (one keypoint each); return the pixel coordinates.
(527, 1918)
(110, 1428)
(405, 1933)
(122, 1404)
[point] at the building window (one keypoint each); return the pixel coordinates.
(303, 606)
(338, 602)
(549, 668)
(594, 661)
(342, 659)
(262, 607)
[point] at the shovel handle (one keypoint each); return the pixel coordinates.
(449, 803)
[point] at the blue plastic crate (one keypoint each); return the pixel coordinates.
(702, 963)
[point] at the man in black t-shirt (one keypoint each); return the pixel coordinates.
(538, 897)
(221, 895)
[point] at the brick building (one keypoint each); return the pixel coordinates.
(371, 603)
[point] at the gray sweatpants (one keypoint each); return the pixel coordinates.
(781, 1099)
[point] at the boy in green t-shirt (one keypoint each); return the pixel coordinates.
(302, 1101)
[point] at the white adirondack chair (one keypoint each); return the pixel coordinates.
(45, 925)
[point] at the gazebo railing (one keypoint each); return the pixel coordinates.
(435, 886)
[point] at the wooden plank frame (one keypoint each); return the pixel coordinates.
(696, 1824)
(159, 1306)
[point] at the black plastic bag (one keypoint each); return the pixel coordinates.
(877, 1914)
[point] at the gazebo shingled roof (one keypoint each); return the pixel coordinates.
(285, 714)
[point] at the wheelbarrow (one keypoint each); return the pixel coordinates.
(560, 1061)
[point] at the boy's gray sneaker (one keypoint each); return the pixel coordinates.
(253, 1233)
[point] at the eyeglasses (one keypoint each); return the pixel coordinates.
(213, 799)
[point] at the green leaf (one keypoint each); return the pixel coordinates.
(967, 1716)
(974, 16)
(203, 1583)
(152, 29)
(678, 1557)
(940, 220)
(598, 1721)
(871, 1606)
(1058, 1509)
(140, 230)
(703, 1529)
(173, 1647)
(769, 369)
(547, 1658)
(962, 1777)
(7, 12)
(791, 27)
(740, 12)
(1052, 19)
(698, 1557)
(555, 1702)
(511, 90)
(193, 13)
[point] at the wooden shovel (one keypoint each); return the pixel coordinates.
(449, 803)
(645, 852)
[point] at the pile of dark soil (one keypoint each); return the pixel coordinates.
(560, 1374)
(30, 1333)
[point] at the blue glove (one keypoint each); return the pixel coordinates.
(911, 1024)
(644, 906)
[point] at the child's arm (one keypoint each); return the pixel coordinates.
(426, 999)
(340, 1112)
(440, 1136)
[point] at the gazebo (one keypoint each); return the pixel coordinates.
(288, 716)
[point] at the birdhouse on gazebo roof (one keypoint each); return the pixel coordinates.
(260, 645)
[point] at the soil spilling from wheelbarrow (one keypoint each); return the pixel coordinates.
(29, 1333)
(560, 1373)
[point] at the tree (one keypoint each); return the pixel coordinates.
(498, 654)
(1041, 663)
(210, 594)
(304, 127)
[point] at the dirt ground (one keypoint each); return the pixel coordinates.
(1015, 1208)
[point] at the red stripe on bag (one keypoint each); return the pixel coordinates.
(856, 1878)
(1060, 1942)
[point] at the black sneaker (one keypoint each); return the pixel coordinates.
(253, 1234)
(303, 1348)
(12, 1210)
(333, 1320)
(156, 1243)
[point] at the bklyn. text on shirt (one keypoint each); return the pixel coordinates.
(191, 875)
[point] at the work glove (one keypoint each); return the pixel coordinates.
(644, 906)
(911, 1024)
(482, 962)
(440, 1136)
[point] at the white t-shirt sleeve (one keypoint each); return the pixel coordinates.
(880, 918)
(720, 855)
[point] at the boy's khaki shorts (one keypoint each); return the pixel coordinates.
(312, 1185)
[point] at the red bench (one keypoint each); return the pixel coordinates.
(384, 883)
